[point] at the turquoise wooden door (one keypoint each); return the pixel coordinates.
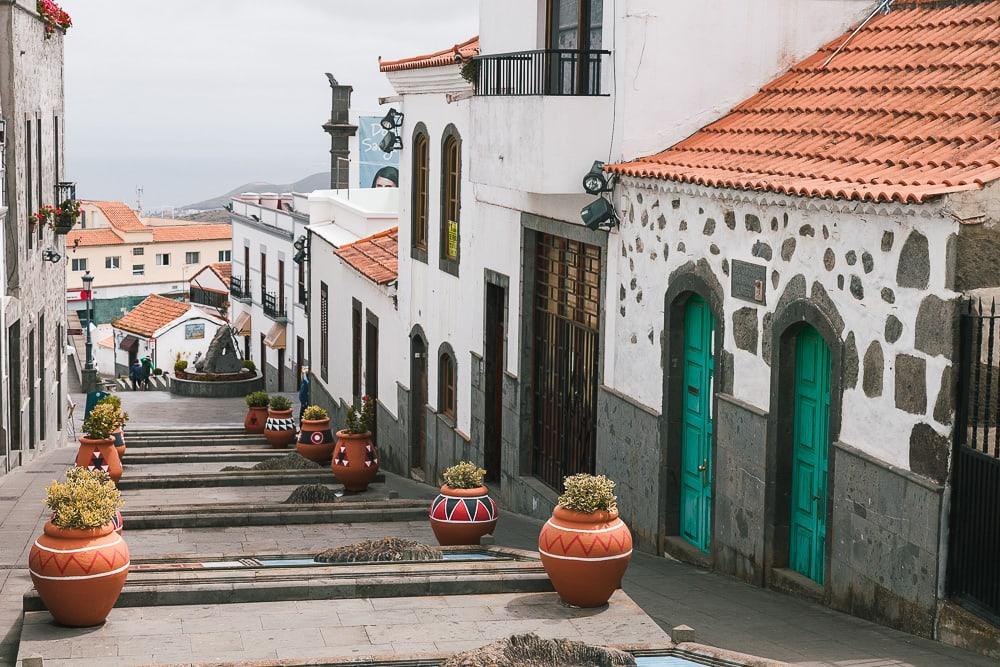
(696, 444)
(810, 448)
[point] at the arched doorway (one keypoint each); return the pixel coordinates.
(810, 452)
(418, 403)
(696, 432)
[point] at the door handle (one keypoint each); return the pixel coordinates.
(703, 469)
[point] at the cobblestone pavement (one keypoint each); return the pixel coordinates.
(724, 612)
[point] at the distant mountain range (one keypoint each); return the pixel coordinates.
(319, 181)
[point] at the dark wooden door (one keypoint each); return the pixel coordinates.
(32, 407)
(418, 402)
(281, 369)
(300, 353)
(566, 354)
(493, 362)
(14, 383)
(371, 365)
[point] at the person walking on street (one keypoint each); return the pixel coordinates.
(147, 369)
(135, 374)
(303, 392)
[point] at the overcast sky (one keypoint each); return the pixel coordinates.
(190, 98)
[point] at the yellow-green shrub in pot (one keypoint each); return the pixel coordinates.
(463, 511)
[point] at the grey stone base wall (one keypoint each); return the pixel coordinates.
(739, 473)
(391, 440)
(628, 451)
(271, 379)
(198, 389)
(884, 552)
(319, 396)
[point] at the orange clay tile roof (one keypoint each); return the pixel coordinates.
(89, 237)
(152, 314)
(909, 109)
(375, 257)
(120, 216)
(192, 233)
(450, 56)
(224, 270)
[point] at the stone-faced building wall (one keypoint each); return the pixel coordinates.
(31, 85)
(877, 282)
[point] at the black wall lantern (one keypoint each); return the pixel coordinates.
(390, 142)
(66, 191)
(595, 182)
(301, 246)
(599, 214)
(392, 120)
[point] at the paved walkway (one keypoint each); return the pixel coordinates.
(724, 612)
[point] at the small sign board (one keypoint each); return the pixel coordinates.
(452, 239)
(749, 281)
(194, 331)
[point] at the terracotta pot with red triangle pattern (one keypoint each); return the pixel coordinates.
(461, 517)
(79, 573)
(355, 460)
(100, 455)
(255, 420)
(585, 555)
(119, 438)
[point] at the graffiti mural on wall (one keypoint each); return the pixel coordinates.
(377, 169)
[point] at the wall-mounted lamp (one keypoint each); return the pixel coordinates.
(301, 246)
(595, 182)
(390, 142)
(66, 191)
(599, 214)
(50, 255)
(391, 120)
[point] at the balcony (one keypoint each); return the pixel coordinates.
(561, 105)
(274, 307)
(239, 290)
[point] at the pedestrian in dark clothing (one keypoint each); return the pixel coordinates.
(135, 374)
(147, 369)
(303, 392)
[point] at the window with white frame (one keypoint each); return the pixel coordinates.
(163, 259)
(138, 269)
(225, 255)
(192, 257)
(112, 262)
(79, 264)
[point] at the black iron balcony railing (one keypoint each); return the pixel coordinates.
(274, 307)
(238, 289)
(207, 297)
(545, 72)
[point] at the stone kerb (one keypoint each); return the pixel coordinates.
(225, 389)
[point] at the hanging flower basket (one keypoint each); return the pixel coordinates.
(64, 218)
(54, 17)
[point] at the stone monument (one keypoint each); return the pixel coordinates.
(222, 356)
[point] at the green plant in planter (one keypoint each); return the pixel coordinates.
(361, 421)
(589, 493)
(157, 371)
(464, 475)
(102, 422)
(315, 413)
(115, 402)
(279, 403)
(470, 71)
(250, 365)
(257, 399)
(180, 365)
(87, 499)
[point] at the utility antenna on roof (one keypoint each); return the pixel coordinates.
(138, 199)
(884, 6)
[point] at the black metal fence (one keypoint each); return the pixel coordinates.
(544, 72)
(274, 306)
(238, 289)
(973, 576)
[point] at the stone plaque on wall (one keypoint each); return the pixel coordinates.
(749, 282)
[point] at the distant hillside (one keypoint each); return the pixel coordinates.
(308, 184)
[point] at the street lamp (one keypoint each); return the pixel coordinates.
(88, 295)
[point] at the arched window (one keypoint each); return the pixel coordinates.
(451, 202)
(447, 382)
(421, 184)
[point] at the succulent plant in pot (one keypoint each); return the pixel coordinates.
(97, 445)
(279, 429)
(118, 435)
(463, 511)
(585, 547)
(315, 440)
(80, 592)
(256, 417)
(355, 457)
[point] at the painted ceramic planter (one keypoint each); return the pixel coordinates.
(118, 523)
(100, 455)
(315, 440)
(79, 574)
(279, 429)
(355, 460)
(255, 420)
(460, 517)
(119, 438)
(585, 555)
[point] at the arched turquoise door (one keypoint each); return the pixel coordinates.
(810, 453)
(696, 444)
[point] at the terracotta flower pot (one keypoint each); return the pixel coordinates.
(79, 573)
(119, 438)
(585, 555)
(255, 420)
(355, 460)
(100, 455)
(118, 523)
(315, 440)
(279, 429)
(463, 516)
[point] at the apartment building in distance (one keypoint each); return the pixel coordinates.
(132, 257)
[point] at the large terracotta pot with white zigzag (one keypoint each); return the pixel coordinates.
(355, 460)
(279, 430)
(100, 455)
(79, 573)
(461, 517)
(585, 555)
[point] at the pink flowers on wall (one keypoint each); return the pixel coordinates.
(54, 16)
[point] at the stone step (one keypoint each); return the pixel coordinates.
(187, 582)
(248, 478)
(167, 455)
(185, 430)
(197, 441)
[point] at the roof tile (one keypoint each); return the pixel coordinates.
(152, 314)
(450, 56)
(375, 257)
(120, 216)
(192, 233)
(908, 109)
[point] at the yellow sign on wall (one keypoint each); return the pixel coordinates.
(452, 239)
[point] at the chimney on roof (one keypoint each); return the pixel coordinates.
(340, 130)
